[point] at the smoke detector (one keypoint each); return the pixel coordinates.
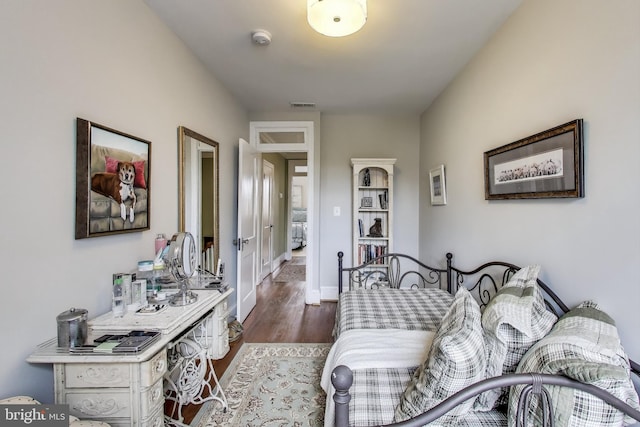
(261, 37)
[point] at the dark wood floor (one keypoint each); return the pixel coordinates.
(280, 316)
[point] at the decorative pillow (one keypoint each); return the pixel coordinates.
(111, 166)
(19, 400)
(583, 345)
(455, 360)
(514, 320)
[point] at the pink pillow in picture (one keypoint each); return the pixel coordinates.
(139, 181)
(111, 166)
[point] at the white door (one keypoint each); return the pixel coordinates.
(266, 252)
(247, 241)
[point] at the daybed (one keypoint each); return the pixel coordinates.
(496, 348)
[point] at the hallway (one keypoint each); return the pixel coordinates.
(281, 316)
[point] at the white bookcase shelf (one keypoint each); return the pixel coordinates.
(372, 209)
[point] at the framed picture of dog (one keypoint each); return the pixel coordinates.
(113, 177)
(548, 164)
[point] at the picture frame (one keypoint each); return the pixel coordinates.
(549, 164)
(437, 186)
(366, 202)
(220, 269)
(113, 181)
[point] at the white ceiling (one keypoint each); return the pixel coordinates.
(406, 54)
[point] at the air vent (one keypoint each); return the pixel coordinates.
(302, 104)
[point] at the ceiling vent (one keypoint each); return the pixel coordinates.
(302, 104)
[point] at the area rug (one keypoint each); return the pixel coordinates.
(272, 385)
(291, 273)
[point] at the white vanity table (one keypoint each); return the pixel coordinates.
(127, 389)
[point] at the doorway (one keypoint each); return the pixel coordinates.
(295, 141)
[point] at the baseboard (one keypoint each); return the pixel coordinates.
(313, 297)
(277, 261)
(329, 293)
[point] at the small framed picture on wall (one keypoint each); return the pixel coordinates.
(437, 186)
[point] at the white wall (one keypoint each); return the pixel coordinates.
(552, 62)
(115, 63)
(345, 136)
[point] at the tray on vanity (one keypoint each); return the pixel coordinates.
(132, 342)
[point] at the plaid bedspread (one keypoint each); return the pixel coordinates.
(376, 392)
(411, 309)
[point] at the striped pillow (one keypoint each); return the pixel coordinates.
(583, 345)
(514, 320)
(455, 360)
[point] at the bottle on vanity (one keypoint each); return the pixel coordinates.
(118, 302)
(160, 243)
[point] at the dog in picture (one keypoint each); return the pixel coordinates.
(118, 186)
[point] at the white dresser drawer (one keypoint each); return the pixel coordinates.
(220, 348)
(214, 326)
(223, 326)
(154, 420)
(97, 375)
(152, 370)
(221, 309)
(152, 398)
(105, 404)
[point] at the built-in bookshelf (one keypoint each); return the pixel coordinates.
(372, 209)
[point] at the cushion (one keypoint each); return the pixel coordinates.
(19, 400)
(111, 166)
(514, 320)
(455, 361)
(583, 345)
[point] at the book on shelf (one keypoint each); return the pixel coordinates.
(367, 252)
(361, 228)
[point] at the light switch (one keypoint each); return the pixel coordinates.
(336, 211)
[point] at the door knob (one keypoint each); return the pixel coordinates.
(240, 242)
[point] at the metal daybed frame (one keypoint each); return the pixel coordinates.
(390, 270)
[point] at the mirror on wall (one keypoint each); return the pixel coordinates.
(198, 198)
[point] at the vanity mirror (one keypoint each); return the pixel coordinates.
(198, 194)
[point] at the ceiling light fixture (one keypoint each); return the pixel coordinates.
(336, 18)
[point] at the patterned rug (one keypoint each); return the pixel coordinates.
(272, 385)
(291, 273)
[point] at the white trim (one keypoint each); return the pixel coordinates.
(306, 127)
(265, 272)
(329, 293)
(312, 296)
